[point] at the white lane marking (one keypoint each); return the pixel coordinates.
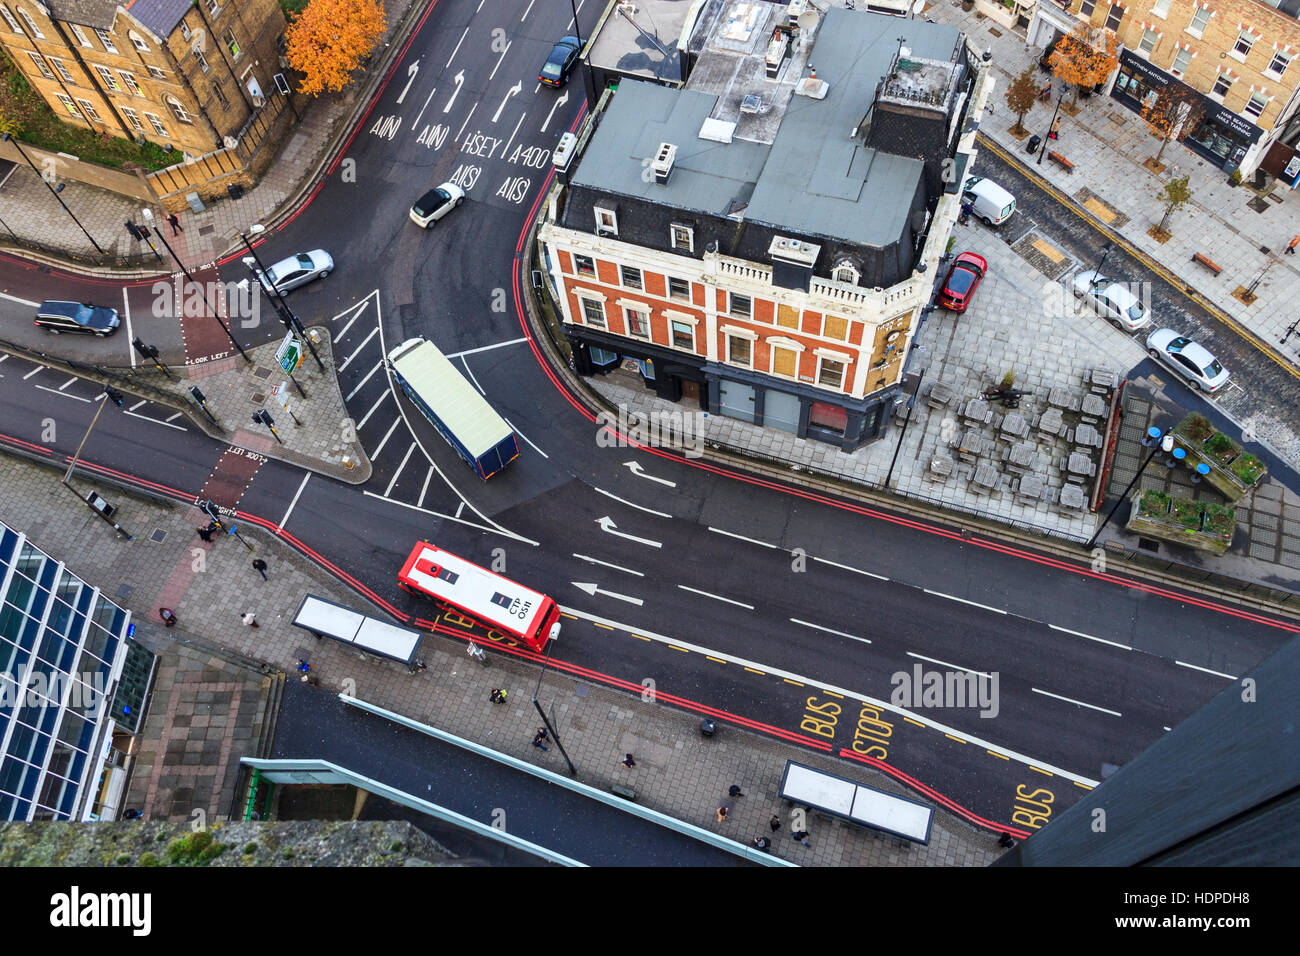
(133, 407)
(355, 310)
(391, 428)
(55, 391)
(14, 298)
(818, 627)
(364, 342)
(948, 664)
(716, 597)
(481, 527)
(1204, 670)
(506, 151)
(630, 504)
(525, 437)
(156, 421)
(339, 337)
(458, 43)
(845, 567)
(1069, 700)
(995, 610)
(296, 494)
(842, 691)
(527, 10)
(607, 524)
(174, 417)
(593, 591)
(635, 468)
(485, 348)
(466, 123)
(362, 384)
(425, 487)
(606, 564)
(472, 378)
(130, 336)
(74, 378)
(362, 424)
(405, 458)
(741, 537)
(33, 372)
(416, 125)
(1099, 640)
(460, 508)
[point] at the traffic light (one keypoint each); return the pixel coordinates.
(148, 351)
(114, 396)
(133, 230)
(197, 395)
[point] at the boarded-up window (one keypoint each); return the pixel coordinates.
(831, 417)
(836, 328)
(785, 362)
(787, 316)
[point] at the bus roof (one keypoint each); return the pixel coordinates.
(442, 387)
(476, 590)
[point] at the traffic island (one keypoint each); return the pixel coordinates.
(1195, 524)
(1233, 471)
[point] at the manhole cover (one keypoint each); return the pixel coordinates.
(262, 373)
(1259, 204)
(207, 230)
(158, 535)
(258, 398)
(124, 591)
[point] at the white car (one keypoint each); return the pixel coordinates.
(1112, 300)
(436, 203)
(1193, 362)
(297, 270)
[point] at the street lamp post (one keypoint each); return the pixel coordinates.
(110, 395)
(906, 421)
(1043, 151)
(148, 215)
(53, 192)
(552, 636)
(291, 321)
(1157, 441)
(1105, 251)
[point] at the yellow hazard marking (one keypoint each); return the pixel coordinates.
(674, 647)
(1082, 786)
(571, 617)
(752, 671)
(795, 682)
(830, 694)
(916, 722)
(1045, 773)
(640, 638)
(958, 739)
(716, 660)
(1049, 250)
(993, 753)
(603, 626)
(1100, 210)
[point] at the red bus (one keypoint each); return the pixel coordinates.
(487, 597)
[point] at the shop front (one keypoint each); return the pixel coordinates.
(1221, 136)
(671, 375)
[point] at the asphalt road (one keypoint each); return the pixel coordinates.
(787, 611)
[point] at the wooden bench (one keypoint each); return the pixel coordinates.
(1206, 261)
(1062, 162)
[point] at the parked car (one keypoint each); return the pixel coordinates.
(289, 274)
(1111, 300)
(1193, 362)
(59, 316)
(988, 200)
(963, 279)
(436, 203)
(557, 66)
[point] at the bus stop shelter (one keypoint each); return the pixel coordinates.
(327, 619)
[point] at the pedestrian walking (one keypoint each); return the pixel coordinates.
(260, 567)
(538, 739)
(205, 534)
(628, 762)
(303, 665)
(774, 823)
(1290, 246)
(763, 843)
(249, 620)
(722, 814)
(174, 221)
(734, 791)
(1056, 128)
(168, 616)
(498, 696)
(801, 836)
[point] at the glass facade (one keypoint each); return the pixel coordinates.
(62, 647)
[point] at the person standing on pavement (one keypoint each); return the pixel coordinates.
(260, 567)
(1290, 246)
(168, 616)
(249, 620)
(762, 843)
(498, 696)
(801, 836)
(774, 823)
(628, 762)
(721, 815)
(538, 739)
(1056, 129)
(734, 791)
(205, 534)
(174, 221)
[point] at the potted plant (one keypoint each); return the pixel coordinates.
(1234, 178)
(1248, 469)
(1220, 520)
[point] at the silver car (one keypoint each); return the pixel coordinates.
(289, 274)
(1112, 300)
(1193, 362)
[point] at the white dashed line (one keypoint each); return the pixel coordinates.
(1099, 640)
(1113, 713)
(630, 504)
(995, 610)
(1204, 670)
(364, 342)
(741, 537)
(956, 667)
(845, 567)
(55, 391)
(818, 627)
(361, 384)
(716, 597)
(606, 564)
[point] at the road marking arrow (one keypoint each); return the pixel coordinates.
(460, 81)
(564, 98)
(411, 70)
(636, 470)
(506, 99)
(593, 591)
(607, 524)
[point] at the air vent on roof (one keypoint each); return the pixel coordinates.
(752, 103)
(719, 131)
(663, 162)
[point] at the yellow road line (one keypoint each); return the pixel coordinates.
(1082, 786)
(916, 722)
(674, 647)
(571, 617)
(993, 753)
(640, 638)
(752, 671)
(832, 694)
(958, 739)
(1154, 265)
(604, 626)
(716, 660)
(1045, 773)
(795, 682)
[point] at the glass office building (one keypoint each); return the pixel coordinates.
(62, 649)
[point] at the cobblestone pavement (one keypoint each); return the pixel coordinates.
(209, 586)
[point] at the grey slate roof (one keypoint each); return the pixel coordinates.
(97, 14)
(160, 16)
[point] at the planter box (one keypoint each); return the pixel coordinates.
(996, 12)
(1221, 475)
(1167, 528)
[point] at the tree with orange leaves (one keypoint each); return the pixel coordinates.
(1085, 57)
(1171, 115)
(328, 41)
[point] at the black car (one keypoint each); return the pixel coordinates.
(58, 316)
(557, 66)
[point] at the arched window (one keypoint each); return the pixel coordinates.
(180, 112)
(845, 272)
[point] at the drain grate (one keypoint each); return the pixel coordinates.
(207, 230)
(124, 591)
(262, 373)
(158, 535)
(1149, 544)
(258, 398)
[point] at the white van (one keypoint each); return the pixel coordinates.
(988, 200)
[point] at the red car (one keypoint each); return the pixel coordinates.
(963, 279)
